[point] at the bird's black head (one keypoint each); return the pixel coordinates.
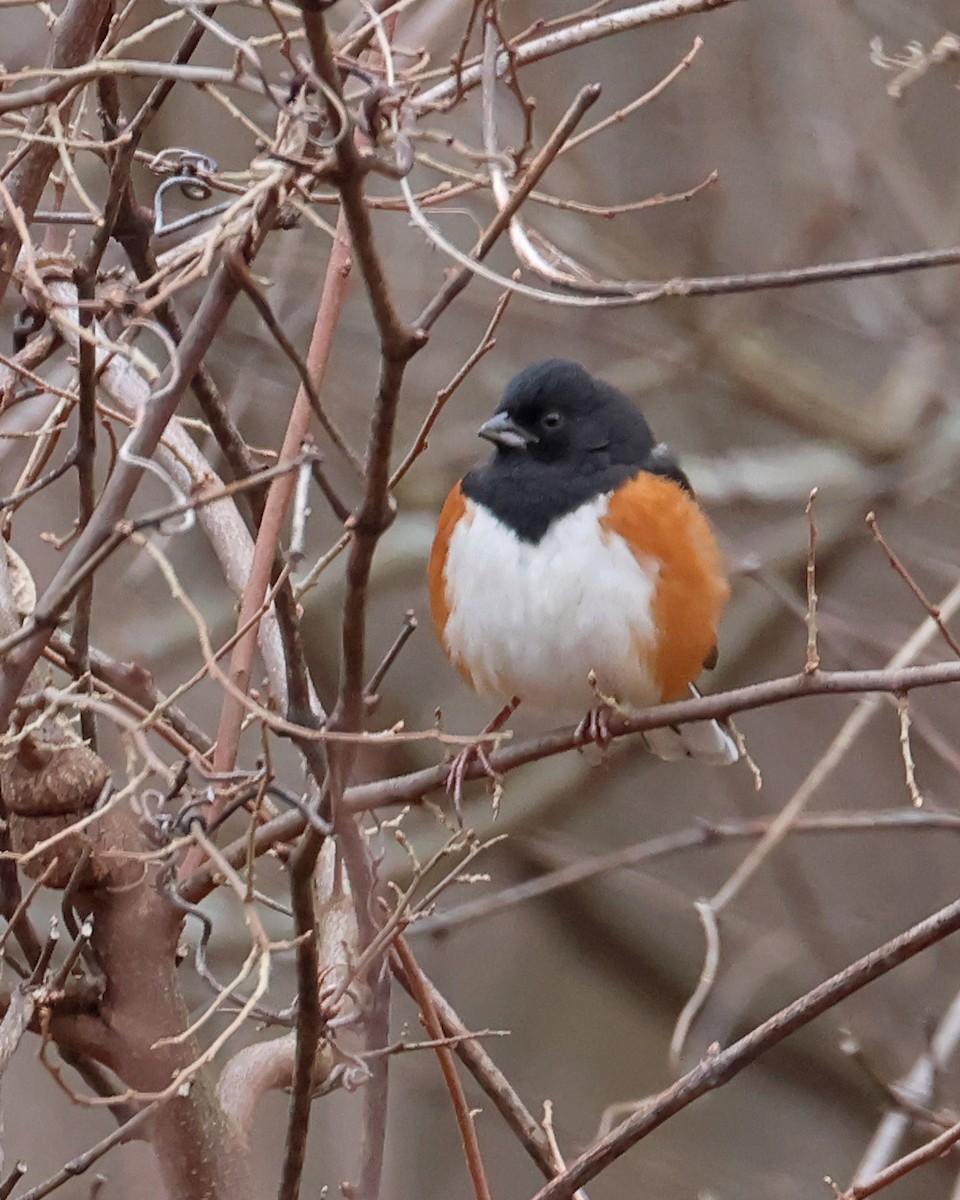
(561, 438)
(556, 412)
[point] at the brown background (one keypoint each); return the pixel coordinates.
(851, 387)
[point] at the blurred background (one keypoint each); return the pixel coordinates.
(849, 387)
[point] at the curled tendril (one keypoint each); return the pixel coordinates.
(186, 519)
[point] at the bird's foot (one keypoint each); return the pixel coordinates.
(594, 729)
(476, 753)
(460, 766)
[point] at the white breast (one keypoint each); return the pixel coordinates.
(535, 620)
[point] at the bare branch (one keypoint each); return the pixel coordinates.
(718, 1069)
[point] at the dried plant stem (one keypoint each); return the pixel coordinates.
(405, 789)
(926, 1153)
(933, 611)
(718, 1069)
(490, 1078)
(580, 34)
(812, 664)
(75, 35)
(697, 837)
(434, 1028)
(280, 495)
(118, 492)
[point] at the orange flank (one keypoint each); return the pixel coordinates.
(658, 520)
(453, 509)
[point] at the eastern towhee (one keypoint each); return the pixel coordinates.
(574, 568)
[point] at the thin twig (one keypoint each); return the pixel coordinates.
(903, 1166)
(490, 1078)
(812, 664)
(580, 34)
(584, 99)
(484, 346)
(308, 387)
(372, 688)
(434, 1028)
(708, 976)
(697, 837)
(651, 94)
(898, 565)
(906, 753)
(718, 1069)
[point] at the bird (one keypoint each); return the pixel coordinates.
(574, 570)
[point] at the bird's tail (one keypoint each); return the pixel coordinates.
(707, 741)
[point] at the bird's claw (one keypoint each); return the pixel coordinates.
(477, 752)
(457, 774)
(594, 729)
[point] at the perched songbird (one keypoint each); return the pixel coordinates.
(574, 570)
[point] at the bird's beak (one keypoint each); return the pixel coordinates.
(503, 430)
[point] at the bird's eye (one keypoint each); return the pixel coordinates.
(552, 420)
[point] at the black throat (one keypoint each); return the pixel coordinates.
(562, 439)
(529, 496)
